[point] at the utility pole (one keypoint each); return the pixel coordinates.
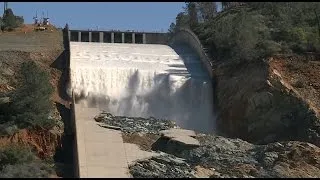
(5, 7)
(318, 21)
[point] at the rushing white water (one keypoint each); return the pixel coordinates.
(143, 80)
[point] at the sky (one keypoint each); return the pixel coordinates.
(138, 16)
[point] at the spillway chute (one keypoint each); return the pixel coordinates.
(143, 80)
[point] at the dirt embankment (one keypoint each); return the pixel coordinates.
(272, 100)
(44, 142)
(46, 49)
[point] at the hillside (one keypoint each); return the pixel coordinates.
(46, 50)
(24, 44)
(265, 59)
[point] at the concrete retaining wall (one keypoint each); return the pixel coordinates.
(66, 39)
(188, 37)
(75, 142)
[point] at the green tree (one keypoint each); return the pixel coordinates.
(182, 20)
(225, 5)
(31, 102)
(19, 20)
(192, 13)
(10, 21)
(207, 10)
(172, 28)
(257, 29)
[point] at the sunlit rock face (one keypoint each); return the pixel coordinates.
(143, 80)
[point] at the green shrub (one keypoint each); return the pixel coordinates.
(26, 170)
(8, 128)
(19, 161)
(15, 154)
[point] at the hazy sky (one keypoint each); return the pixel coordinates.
(147, 16)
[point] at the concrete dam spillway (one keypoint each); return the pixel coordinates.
(143, 80)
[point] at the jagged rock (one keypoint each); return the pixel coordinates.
(202, 172)
(164, 166)
(237, 158)
(135, 124)
(269, 158)
(165, 158)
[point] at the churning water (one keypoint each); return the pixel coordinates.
(143, 80)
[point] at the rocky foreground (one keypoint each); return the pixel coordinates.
(184, 153)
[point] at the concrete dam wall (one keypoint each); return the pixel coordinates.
(143, 80)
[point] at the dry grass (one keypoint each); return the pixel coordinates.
(27, 40)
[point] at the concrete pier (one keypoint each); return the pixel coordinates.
(90, 36)
(101, 37)
(144, 39)
(133, 38)
(112, 37)
(69, 35)
(122, 37)
(79, 36)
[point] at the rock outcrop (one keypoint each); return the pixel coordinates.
(272, 100)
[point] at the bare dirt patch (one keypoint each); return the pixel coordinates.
(44, 142)
(303, 75)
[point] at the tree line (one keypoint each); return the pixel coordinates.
(247, 31)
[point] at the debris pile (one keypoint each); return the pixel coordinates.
(186, 154)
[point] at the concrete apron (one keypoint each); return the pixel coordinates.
(101, 151)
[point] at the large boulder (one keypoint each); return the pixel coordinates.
(174, 141)
(181, 136)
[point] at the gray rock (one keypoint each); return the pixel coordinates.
(3, 80)
(269, 158)
(135, 124)
(181, 135)
(4, 100)
(164, 166)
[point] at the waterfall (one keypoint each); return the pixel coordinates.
(143, 80)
